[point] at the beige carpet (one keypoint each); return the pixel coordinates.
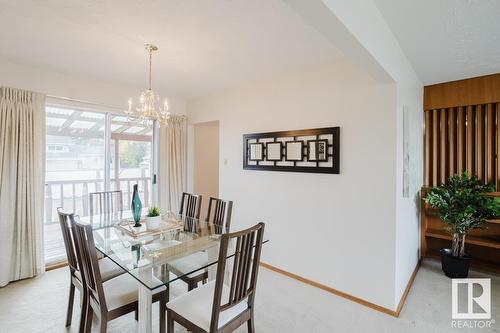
(282, 305)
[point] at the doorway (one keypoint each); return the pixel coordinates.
(206, 162)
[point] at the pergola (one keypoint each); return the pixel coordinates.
(85, 124)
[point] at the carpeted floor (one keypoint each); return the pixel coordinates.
(282, 305)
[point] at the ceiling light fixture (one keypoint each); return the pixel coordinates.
(149, 106)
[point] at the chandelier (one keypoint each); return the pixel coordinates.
(149, 106)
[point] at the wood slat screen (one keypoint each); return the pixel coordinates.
(462, 133)
(462, 138)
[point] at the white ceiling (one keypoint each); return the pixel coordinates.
(446, 40)
(205, 45)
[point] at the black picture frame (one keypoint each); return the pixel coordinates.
(280, 150)
(325, 143)
(261, 151)
(319, 133)
(301, 151)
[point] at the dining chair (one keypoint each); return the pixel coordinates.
(219, 215)
(105, 202)
(108, 268)
(113, 298)
(190, 205)
(215, 306)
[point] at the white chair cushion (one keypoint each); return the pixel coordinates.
(196, 306)
(123, 290)
(190, 263)
(108, 270)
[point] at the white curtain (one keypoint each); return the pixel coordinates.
(22, 177)
(172, 163)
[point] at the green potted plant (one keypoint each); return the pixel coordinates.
(153, 219)
(463, 205)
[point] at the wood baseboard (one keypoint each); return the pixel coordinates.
(348, 296)
(56, 266)
(402, 301)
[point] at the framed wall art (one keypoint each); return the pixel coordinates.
(309, 150)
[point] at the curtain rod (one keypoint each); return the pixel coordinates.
(85, 102)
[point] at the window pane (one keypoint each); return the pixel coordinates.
(131, 144)
(74, 168)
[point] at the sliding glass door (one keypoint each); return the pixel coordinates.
(89, 151)
(130, 154)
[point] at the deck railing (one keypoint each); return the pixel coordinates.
(73, 195)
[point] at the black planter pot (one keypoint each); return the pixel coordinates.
(454, 267)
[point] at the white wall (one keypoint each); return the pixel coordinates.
(62, 85)
(358, 28)
(365, 22)
(410, 96)
(334, 229)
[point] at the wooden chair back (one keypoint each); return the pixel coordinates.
(219, 214)
(190, 205)
(244, 271)
(191, 224)
(106, 202)
(87, 259)
(66, 221)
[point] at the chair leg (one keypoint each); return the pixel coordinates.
(103, 325)
(251, 324)
(170, 322)
(83, 312)
(69, 314)
(163, 309)
(88, 318)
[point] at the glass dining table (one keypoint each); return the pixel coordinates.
(156, 259)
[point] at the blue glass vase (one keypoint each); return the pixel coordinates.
(136, 206)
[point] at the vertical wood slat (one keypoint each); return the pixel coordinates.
(452, 142)
(480, 166)
(428, 147)
(236, 267)
(248, 261)
(461, 139)
(470, 142)
(497, 144)
(443, 147)
(490, 143)
(435, 145)
(241, 273)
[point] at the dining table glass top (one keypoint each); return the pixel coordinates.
(157, 258)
